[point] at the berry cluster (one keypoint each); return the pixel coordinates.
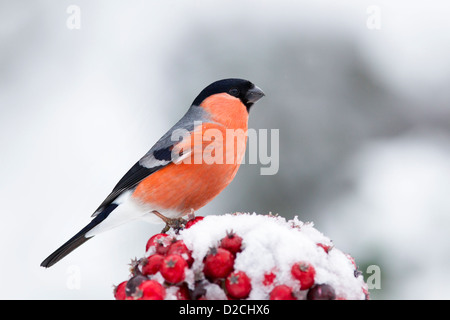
(171, 270)
(170, 258)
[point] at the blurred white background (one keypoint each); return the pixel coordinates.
(359, 91)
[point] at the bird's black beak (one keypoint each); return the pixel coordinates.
(254, 94)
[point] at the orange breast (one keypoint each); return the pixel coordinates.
(226, 110)
(217, 149)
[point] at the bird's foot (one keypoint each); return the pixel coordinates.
(191, 215)
(176, 223)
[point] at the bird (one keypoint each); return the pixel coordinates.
(184, 170)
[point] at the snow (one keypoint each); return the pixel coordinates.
(272, 244)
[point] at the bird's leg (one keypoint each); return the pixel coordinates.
(191, 215)
(176, 223)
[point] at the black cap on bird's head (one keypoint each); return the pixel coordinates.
(246, 91)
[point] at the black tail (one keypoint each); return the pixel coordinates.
(77, 240)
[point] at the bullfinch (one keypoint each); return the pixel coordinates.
(185, 169)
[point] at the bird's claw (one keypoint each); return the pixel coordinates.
(176, 224)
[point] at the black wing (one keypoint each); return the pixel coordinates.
(136, 174)
(159, 156)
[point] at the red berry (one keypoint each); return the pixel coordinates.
(366, 293)
(218, 263)
(180, 249)
(304, 272)
(325, 247)
(269, 278)
(183, 292)
(282, 292)
(321, 292)
(150, 290)
(172, 268)
(119, 291)
(191, 222)
(156, 241)
(153, 264)
(238, 285)
(232, 242)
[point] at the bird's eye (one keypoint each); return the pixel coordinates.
(234, 92)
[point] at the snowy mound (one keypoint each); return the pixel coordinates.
(243, 256)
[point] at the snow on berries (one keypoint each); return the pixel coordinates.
(159, 243)
(303, 272)
(269, 278)
(193, 221)
(179, 248)
(325, 247)
(231, 242)
(242, 256)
